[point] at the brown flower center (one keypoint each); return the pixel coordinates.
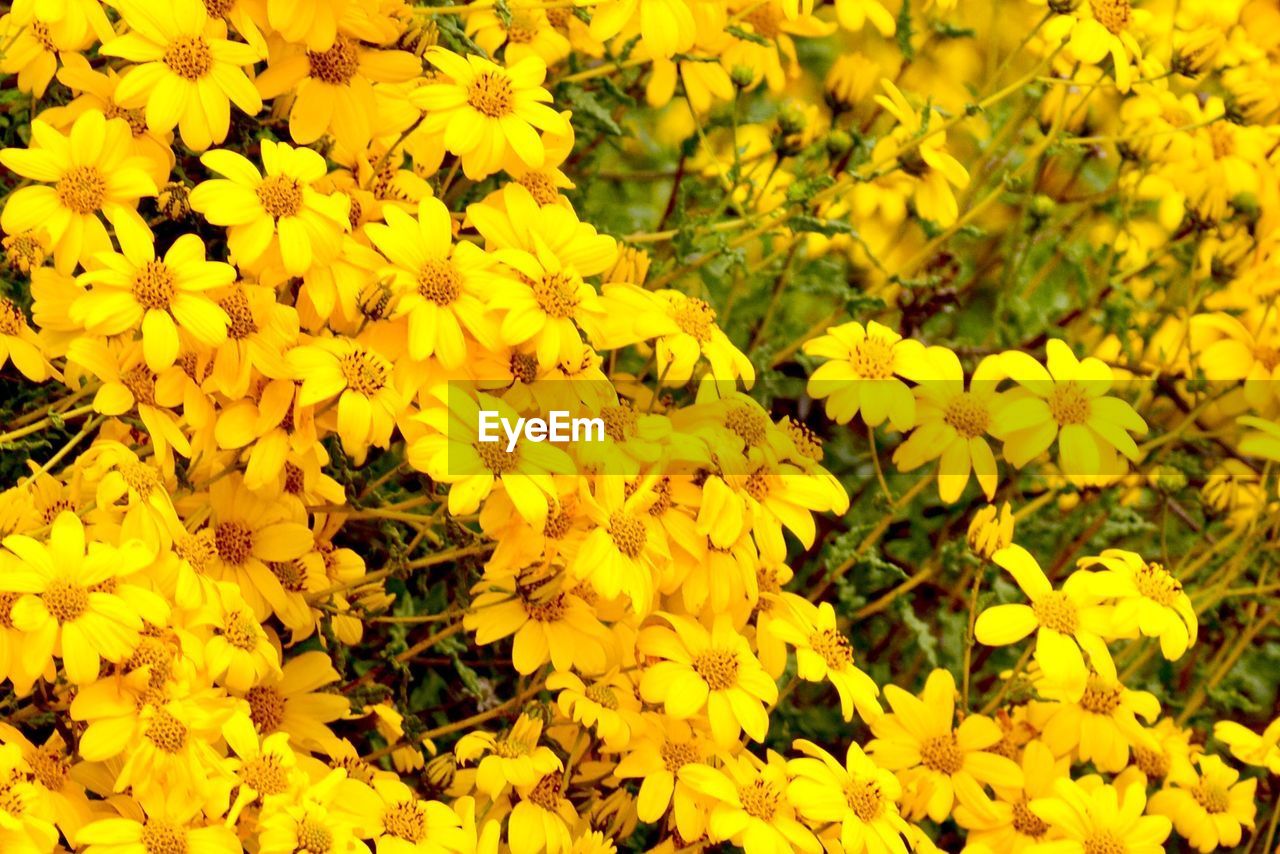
(240, 631)
(236, 305)
(1112, 14)
(51, 766)
(337, 65)
(1103, 842)
(491, 94)
(154, 285)
(234, 542)
(266, 707)
(280, 195)
(1055, 610)
(677, 754)
(189, 57)
(760, 799)
(82, 189)
(966, 415)
(628, 533)
(1099, 698)
(873, 358)
(1068, 404)
(540, 186)
(547, 793)
(557, 294)
(718, 668)
(495, 457)
(1155, 583)
(942, 754)
(65, 601)
(364, 371)
(160, 837)
(439, 282)
(695, 318)
(167, 732)
(12, 320)
(314, 837)
(1214, 798)
(834, 648)
(264, 775)
(602, 695)
(865, 799)
(750, 425)
(1026, 822)
(406, 820)
(1153, 763)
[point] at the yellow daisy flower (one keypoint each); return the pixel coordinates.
(130, 836)
(1250, 747)
(1150, 601)
(712, 670)
(361, 378)
(1101, 818)
(1102, 725)
(657, 752)
(279, 216)
(823, 652)
(484, 109)
(92, 171)
(139, 291)
(1096, 29)
(749, 804)
(23, 824)
(857, 796)
(20, 344)
(1210, 807)
(1007, 824)
(1065, 621)
(861, 371)
(513, 759)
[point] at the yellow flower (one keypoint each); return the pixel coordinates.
(361, 378)
(925, 162)
(189, 73)
(1101, 818)
(20, 344)
(526, 32)
(512, 759)
(484, 109)
(1250, 747)
(624, 551)
(1096, 29)
(334, 90)
(991, 529)
(861, 374)
(706, 670)
(93, 171)
(442, 285)
(1208, 808)
(291, 702)
(70, 603)
(935, 761)
(541, 818)
(667, 27)
(1229, 351)
(130, 836)
(278, 216)
(1065, 621)
(1102, 725)
(823, 652)
(608, 705)
(1150, 601)
(952, 425)
(330, 816)
(749, 804)
(408, 823)
(23, 825)
(655, 756)
(858, 796)
(138, 291)
(1007, 823)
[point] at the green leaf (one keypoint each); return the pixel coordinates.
(904, 31)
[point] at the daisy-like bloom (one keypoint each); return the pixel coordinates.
(189, 73)
(1096, 29)
(1102, 725)
(623, 552)
(1007, 824)
(139, 291)
(859, 797)
(292, 702)
(1101, 818)
(1171, 755)
(1068, 402)
(608, 705)
(514, 758)
(330, 816)
(666, 27)
(545, 303)
(706, 670)
(130, 836)
(862, 373)
(484, 110)
(61, 607)
(34, 47)
(1065, 621)
(277, 215)
(92, 171)
(333, 89)
(549, 624)
(361, 378)
(749, 804)
(937, 762)
(50, 771)
(1150, 601)
(932, 171)
(823, 652)
(990, 530)
(409, 824)
(853, 15)
(1208, 808)
(655, 755)
(20, 344)
(1250, 747)
(24, 825)
(527, 31)
(260, 331)
(541, 818)
(441, 284)
(1229, 351)
(952, 424)
(238, 653)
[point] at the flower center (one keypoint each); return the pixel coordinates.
(11, 318)
(156, 656)
(758, 484)
(40, 32)
(522, 29)
(23, 252)
(695, 318)
(167, 732)
(1269, 357)
(337, 65)
(834, 648)
(1099, 698)
(82, 189)
(751, 425)
(966, 415)
(50, 765)
(491, 94)
(65, 601)
(1026, 822)
(628, 533)
(234, 542)
(1103, 842)
(1212, 797)
(765, 19)
(189, 57)
(524, 368)
(160, 837)
(619, 421)
(547, 610)
(547, 793)
(266, 707)
(197, 549)
(154, 285)
(236, 305)
(439, 282)
(314, 837)
(406, 820)
(760, 799)
(137, 119)
(1112, 14)
(807, 443)
(141, 383)
(219, 8)
(540, 186)
(496, 458)
(602, 695)
(677, 754)
(265, 776)
(291, 574)
(1055, 610)
(864, 798)
(942, 754)
(364, 372)
(1154, 582)
(140, 478)
(873, 358)
(280, 195)
(1068, 404)
(556, 294)
(1153, 763)
(240, 631)
(7, 601)
(718, 668)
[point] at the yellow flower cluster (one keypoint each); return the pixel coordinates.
(272, 264)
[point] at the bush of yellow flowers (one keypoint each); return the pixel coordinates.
(927, 360)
